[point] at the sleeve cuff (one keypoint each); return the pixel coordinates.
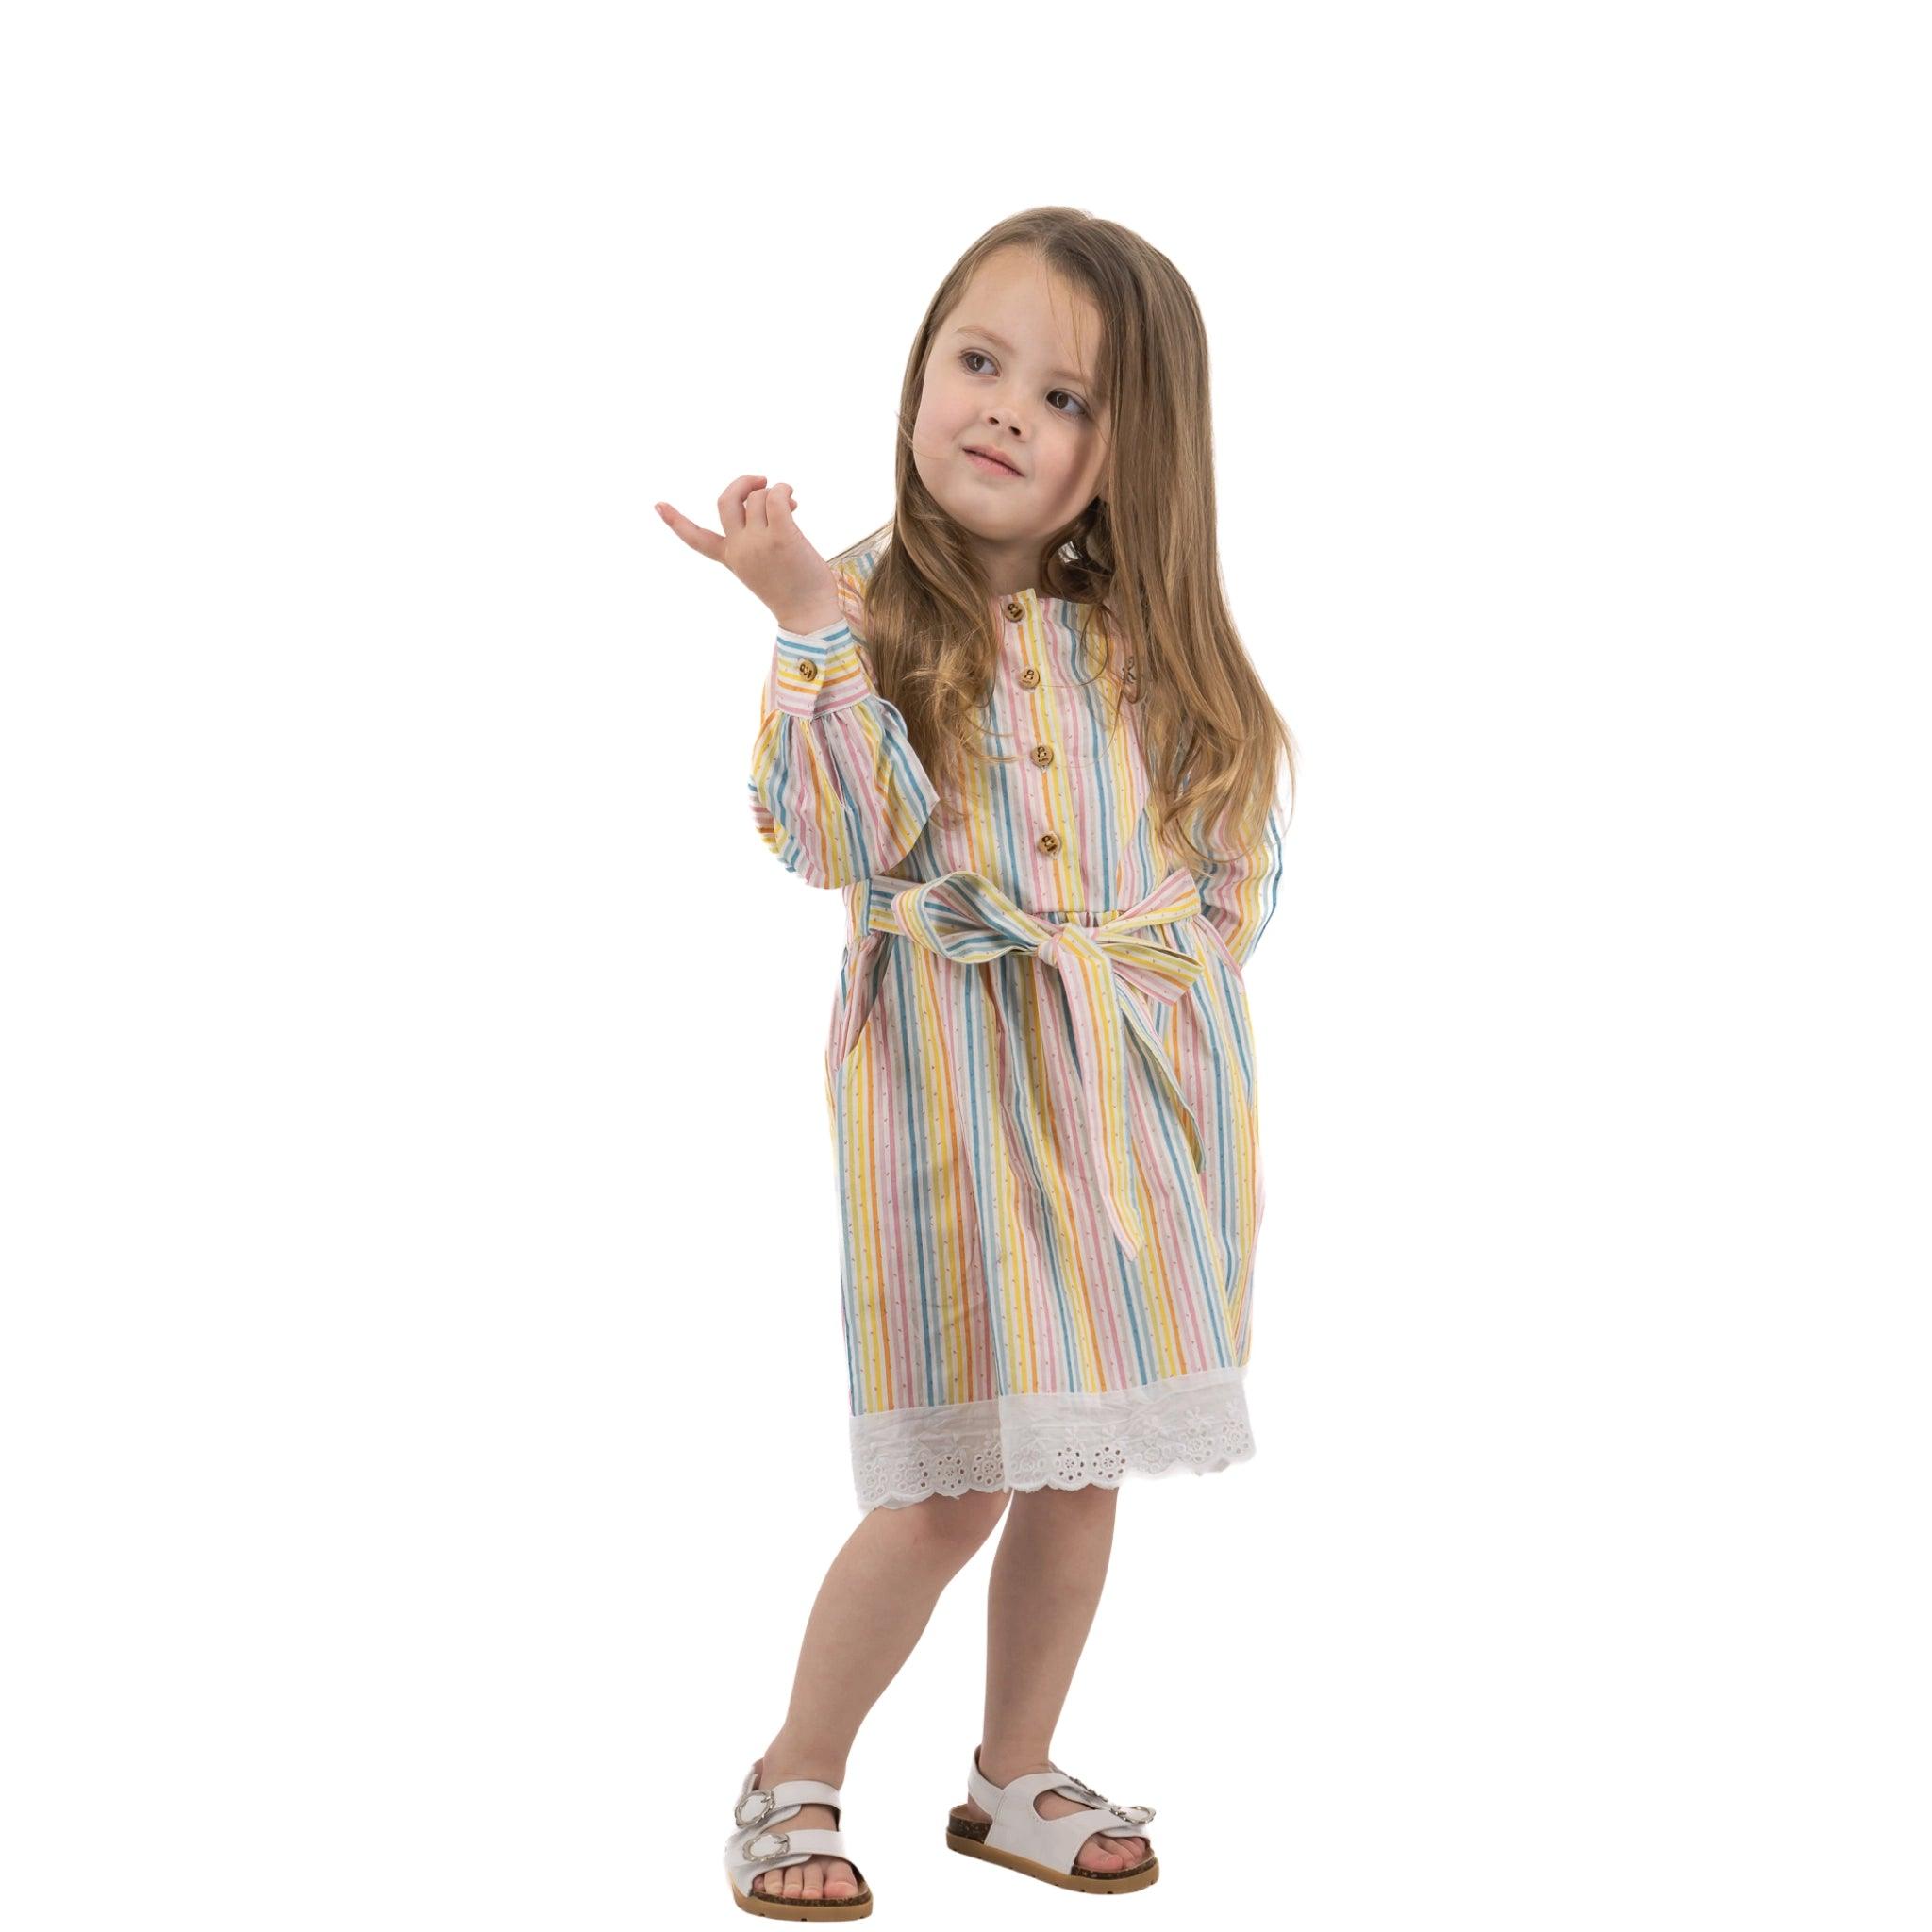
(818, 671)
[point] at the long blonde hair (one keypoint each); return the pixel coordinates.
(1142, 565)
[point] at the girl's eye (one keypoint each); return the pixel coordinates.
(966, 355)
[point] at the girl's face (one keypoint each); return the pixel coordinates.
(1009, 370)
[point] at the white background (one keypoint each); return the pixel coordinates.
(421, 1403)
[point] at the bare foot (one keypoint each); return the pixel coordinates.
(1099, 1856)
(820, 1875)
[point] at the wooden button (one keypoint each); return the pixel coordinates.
(1015, 609)
(806, 668)
(1048, 841)
(1030, 678)
(1042, 754)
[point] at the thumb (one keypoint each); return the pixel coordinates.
(706, 543)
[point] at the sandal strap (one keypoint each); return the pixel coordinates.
(1053, 1842)
(762, 1840)
(815, 1843)
(1056, 1842)
(772, 1804)
(1133, 1816)
(787, 1794)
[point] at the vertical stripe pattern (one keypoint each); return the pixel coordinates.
(1040, 1076)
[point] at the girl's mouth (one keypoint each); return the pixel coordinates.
(988, 465)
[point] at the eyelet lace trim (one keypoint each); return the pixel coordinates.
(1196, 1424)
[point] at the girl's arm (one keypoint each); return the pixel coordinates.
(837, 791)
(1238, 894)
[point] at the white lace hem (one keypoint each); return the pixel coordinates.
(1195, 1423)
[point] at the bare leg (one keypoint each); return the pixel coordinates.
(1047, 1580)
(877, 1599)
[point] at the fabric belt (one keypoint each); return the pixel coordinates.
(964, 917)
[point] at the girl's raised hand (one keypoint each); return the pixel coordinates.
(766, 552)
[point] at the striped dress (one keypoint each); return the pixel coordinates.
(1039, 1075)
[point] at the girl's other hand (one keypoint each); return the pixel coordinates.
(767, 553)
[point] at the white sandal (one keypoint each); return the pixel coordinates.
(1022, 1841)
(757, 1846)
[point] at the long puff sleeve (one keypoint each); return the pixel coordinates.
(837, 791)
(1239, 894)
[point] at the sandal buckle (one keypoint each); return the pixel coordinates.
(751, 1856)
(770, 1804)
(1133, 1814)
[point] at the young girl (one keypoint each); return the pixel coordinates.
(1017, 728)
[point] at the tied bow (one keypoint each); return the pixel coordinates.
(966, 918)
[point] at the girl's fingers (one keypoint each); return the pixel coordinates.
(757, 505)
(731, 512)
(744, 504)
(706, 543)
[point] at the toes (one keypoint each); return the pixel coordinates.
(1112, 1854)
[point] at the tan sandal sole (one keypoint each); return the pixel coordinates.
(967, 1836)
(765, 1906)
